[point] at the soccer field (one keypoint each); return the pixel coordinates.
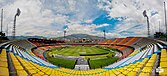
(97, 56)
(78, 50)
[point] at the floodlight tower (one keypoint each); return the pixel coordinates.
(14, 25)
(159, 25)
(64, 34)
(1, 19)
(7, 30)
(148, 26)
(165, 18)
(104, 34)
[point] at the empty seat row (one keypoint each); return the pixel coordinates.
(4, 71)
(20, 71)
(163, 63)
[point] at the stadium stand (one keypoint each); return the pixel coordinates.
(23, 44)
(149, 59)
(104, 41)
(108, 41)
(123, 41)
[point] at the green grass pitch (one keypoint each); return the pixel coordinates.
(100, 56)
(77, 50)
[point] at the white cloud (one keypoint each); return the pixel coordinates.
(88, 21)
(132, 11)
(48, 17)
(79, 11)
(102, 25)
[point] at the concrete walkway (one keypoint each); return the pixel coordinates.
(81, 64)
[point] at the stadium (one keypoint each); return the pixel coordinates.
(81, 53)
(121, 56)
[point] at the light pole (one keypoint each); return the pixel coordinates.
(165, 19)
(148, 27)
(1, 19)
(104, 34)
(7, 30)
(159, 25)
(64, 34)
(14, 25)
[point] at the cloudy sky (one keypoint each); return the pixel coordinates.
(49, 18)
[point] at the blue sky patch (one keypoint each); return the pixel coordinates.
(105, 19)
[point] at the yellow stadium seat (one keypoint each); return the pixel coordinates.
(140, 65)
(4, 71)
(3, 59)
(126, 67)
(143, 62)
(16, 63)
(3, 64)
(120, 75)
(32, 71)
(130, 64)
(149, 64)
(144, 74)
(28, 67)
(130, 69)
(121, 70)
(36, 74)
(131, 74)
(37, 70)
(53, 73)
(116, 72)
(147, 69)
(133, 66)
(40, 73)
(21, 73)
(163, 64)
(163, 72)
(33, 67)
(41, 68)
(151, 61)
(163, 59)
(18, 67)
(49, 72)
(125, 72)
(136, 69)
(111, 73)
(106, 73)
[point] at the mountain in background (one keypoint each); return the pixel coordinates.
(80, 36)
(25, 37)
(71, 37)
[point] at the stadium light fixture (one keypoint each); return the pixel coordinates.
(148, 27)
(14, 25)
